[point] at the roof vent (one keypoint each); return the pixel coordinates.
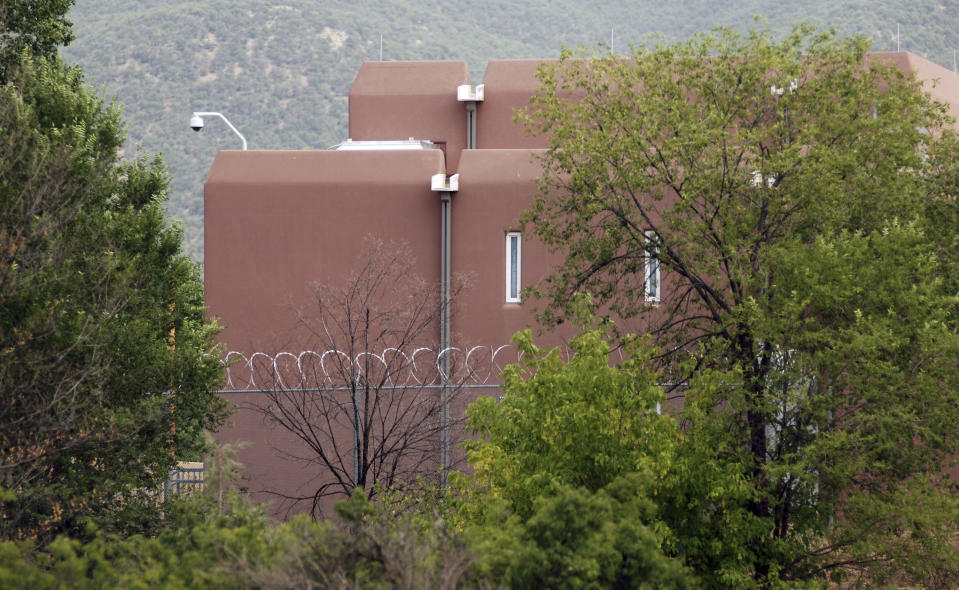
(399, 144)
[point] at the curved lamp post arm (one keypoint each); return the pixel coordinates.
(200, 114)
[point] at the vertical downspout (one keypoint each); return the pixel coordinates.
(445, 205)
(471, 96)
(471, 125)
(445, 187)
(445, 330)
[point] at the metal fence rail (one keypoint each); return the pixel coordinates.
(185, 479)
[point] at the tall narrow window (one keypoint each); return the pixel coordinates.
(514, 249)
(652, 267)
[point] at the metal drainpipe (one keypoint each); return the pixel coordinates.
(445, 205)
(471, 125)
(445, 187)
(469, 95)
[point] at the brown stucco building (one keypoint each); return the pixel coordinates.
(277, 222)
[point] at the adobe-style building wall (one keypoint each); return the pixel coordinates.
(401, 100)
(509, 85)
(278, 221)
(495, 186)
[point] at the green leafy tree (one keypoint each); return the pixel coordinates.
(792, 193)
(35, 27)
(569, 465)
(384, 545)
(581, 423)
(105, 380)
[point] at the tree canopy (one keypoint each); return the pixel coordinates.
(35, 27)
(569, 464)
(105, 380)
(799, 199)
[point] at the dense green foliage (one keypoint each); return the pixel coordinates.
(582, 424)
(211, 543)
(32, 26)
(570, 464)
(95, 294)
(795, 194)
(414, 540)
(281, 71)
(577, 472)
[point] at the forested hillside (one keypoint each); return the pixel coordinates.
(281, 71)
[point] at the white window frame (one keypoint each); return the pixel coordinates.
(514, 289)
(652, 284)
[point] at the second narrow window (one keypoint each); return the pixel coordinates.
(652, 267)
(514, 248)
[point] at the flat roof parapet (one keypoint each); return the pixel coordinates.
(352, 170)
(409, 78)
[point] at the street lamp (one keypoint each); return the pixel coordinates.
(196, 123)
